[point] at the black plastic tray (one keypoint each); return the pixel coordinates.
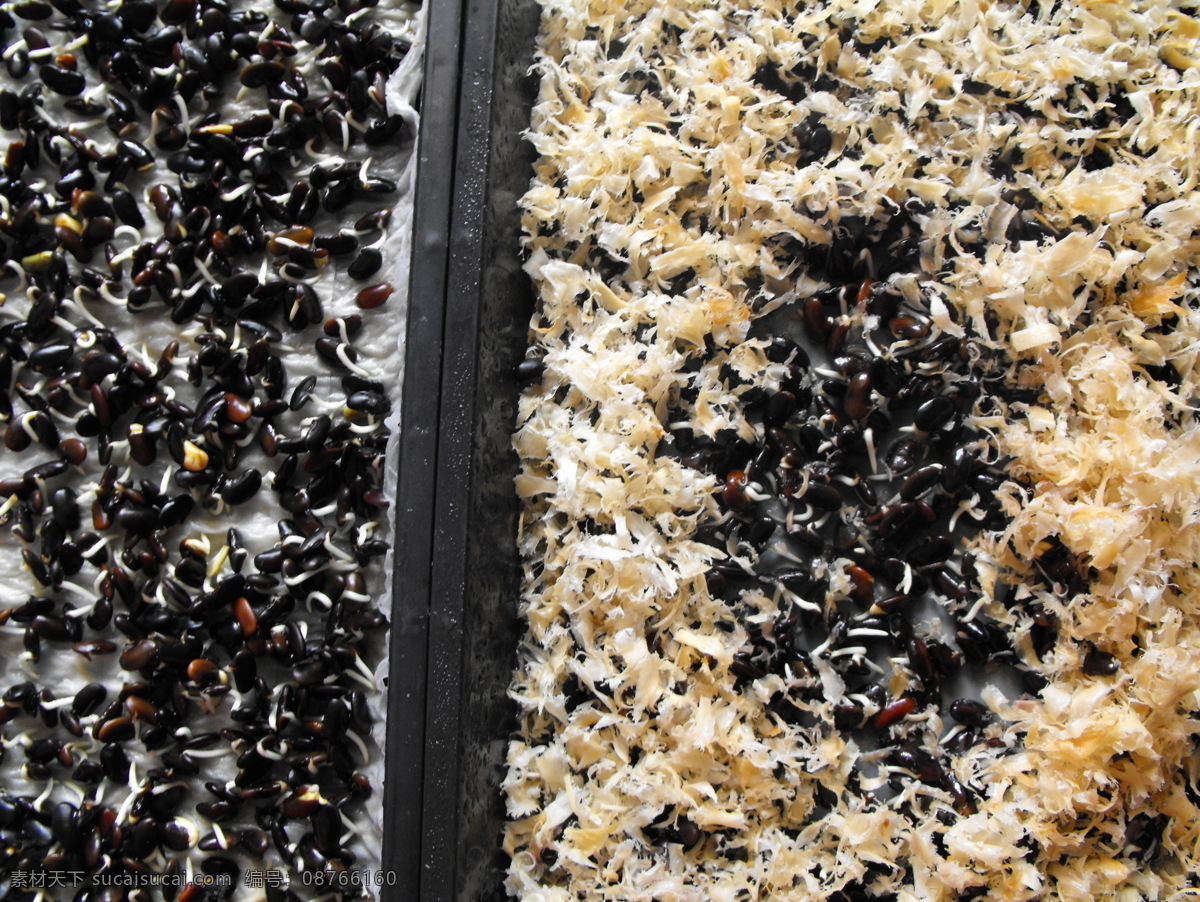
(418, 450)
(455, 629)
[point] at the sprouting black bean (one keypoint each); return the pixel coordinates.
(951, 585)
(54, 629)
(15, 436)
(817, 320)
(91, 647)
(242, 487)
(973, 640)
(780, 407)
(62, 81)
(920, 762)
(908, 327)
(920, 482)
(218, 811)
(318, 432)
(958, 470)
(369, 401)
(886, 376)
(88, 772)
(18, 65)
(931, 550)
(141, 654)
(901, 455)
(366, 264)
(823, 496)
(969, 712)
(178, 836)
(88, 699)
(34, 10)
(857, 403)
(115, 762)
(258, 75)
(934, 413)
(138, 154)
(119, 729)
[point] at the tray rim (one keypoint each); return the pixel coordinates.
(418, 446)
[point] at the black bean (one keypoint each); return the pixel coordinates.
(178, 836)
(951, 585)
(242, 487)
(366, 264)
(317, 432)
(894, 518)
(857, 403)
(54, 629)
(51, 358)
(89, 698)
(823, 496)
(908, 327)
(64, 824)
(94, 647)
(178, 12)
(530, 371)
(218, 811)
(920, 762)
(34, 10)
(369, 401)
(88, 772)
(141, 654)
(15, 436)
(258, 75)
(886, 377)
(244, 668)
(119, 729)
(374, 295)
(376, 219)
(784, 350)
(947, 661)
(969, 712)
(973, 640)
(780, 407)
(901, 455)
(920, 482)
(958, 470)
(847, 716)
(1099, 663)
(931, 550)
(817, 321)
(137, 520)
(18, 65)
(934, 413)
(62, 81)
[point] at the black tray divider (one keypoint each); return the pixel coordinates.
(473, 629)
(415, 502)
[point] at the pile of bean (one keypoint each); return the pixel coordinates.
(126, 195)
(851, 508)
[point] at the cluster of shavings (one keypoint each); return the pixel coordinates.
(703, 165)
